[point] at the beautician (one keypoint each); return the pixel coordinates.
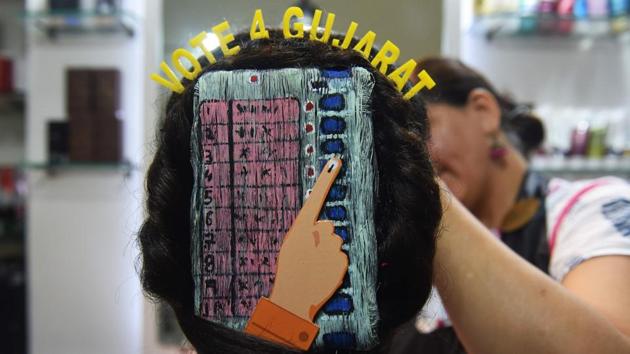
(574, 235)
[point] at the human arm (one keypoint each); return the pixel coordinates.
(591, 256)
(603, 282)
(498, 303)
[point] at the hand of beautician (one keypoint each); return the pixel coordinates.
(499, 303)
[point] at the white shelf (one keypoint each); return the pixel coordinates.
(81, 22)
(580, 166)
(550, 25)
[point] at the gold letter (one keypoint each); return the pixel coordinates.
(291, 12)
(330, 20)
(425, 81)
(197, 42)
(348, 38)
(402, 74)
(258, 30)
(196, 67)
(225, 38)
(172, 83)
(364, 47)
(384, 60)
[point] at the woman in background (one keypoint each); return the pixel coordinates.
(578, 233)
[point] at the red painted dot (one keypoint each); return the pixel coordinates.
(310, 149)
(309, 106)
(310, 171)
(253, 79)
(309, 127)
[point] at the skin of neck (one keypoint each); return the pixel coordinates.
(501, 187)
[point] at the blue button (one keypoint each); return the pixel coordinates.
(343, 232)
(332, 146)
(332, 125)
(340, 340)
(332, 102)
(337, 192)
(339, 304)
(336, 73)
(337, 213)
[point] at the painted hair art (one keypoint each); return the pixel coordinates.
(260, 137)
(382, 60)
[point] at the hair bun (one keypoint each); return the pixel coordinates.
(528, 127)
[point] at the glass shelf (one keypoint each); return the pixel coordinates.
(54, 23)
(550, 25)
(124, 167)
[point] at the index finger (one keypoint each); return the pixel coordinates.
(313, 205)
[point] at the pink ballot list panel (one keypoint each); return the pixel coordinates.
(251, 151)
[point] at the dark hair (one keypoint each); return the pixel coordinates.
(455, 80)
(407, 214)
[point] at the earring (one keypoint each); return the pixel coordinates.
(497, 149)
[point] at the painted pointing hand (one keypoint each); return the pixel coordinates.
(311, 265)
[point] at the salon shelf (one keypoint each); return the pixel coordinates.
(11, 102)
(124, 167)
(550, 25)
(54, 23)
(582, 167)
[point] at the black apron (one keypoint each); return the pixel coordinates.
(530, 242)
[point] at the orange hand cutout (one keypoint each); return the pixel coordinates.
(311, 267)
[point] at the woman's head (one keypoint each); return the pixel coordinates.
(469, 121)
(406, 201)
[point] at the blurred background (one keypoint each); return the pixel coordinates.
(78, 113)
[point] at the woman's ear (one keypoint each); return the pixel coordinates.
(485, 107)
